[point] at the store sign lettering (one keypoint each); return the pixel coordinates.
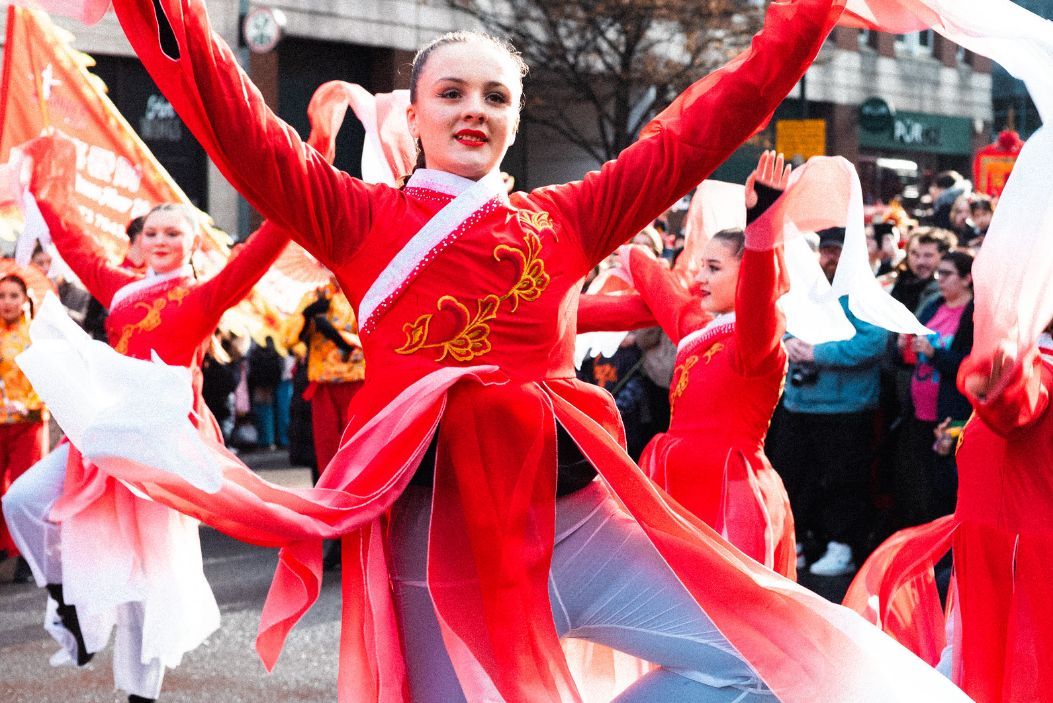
(913, 133)
(159, 122)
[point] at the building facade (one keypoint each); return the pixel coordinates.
(901, 108)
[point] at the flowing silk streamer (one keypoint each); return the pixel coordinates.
(825, 192)
(1012, 272)
(107, 403)
(895, 588)
(389, 151)
(87, 11)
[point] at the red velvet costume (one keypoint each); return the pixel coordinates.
(1002, 547)
(726, 383)
(490, 355)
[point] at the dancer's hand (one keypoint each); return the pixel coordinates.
(772, 171)
(981, 386)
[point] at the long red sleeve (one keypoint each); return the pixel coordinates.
(613, 313)
(677, 312)
(327, 211)
(85, 257)
(234, 281)
(1023, 400)
(759, 324)
(695, 134)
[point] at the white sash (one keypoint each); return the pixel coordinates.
(149, 281)
(718, 326)
(439, 232)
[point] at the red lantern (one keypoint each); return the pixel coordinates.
(994, 163)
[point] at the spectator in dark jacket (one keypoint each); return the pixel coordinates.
(926, 481)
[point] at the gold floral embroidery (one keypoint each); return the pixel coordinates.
(712, 351)
(152, 319)
(473, 339)
(533, 279)
(537, 221)
(680, 380)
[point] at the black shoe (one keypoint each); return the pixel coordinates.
(68, 615)
(333, 555)
(139, 699)
(23, 574)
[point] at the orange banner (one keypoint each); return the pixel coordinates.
(46, 85)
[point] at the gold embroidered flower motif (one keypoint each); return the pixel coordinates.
(680, 380)
(533, 279)
(473, 339)
(152, 319)
(537, 221)
(713, 351)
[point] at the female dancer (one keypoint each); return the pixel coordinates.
(23, 417)
(728, 331)
(465, 299)
(1004, 644)
(103, 554)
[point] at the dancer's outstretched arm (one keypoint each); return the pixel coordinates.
(759, 324)
(246, 266)
(291, 184)
(695, 134)
(674, 308)
(600, 312)
(83, 254)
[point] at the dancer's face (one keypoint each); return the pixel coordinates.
(12, 301)
(167, 241)
(467, 108)
(717, 278)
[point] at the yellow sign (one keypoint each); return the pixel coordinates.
(800, 139)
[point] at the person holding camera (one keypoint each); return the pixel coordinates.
(822, 438)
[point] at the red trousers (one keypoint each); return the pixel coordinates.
(329, 417)
(22, 444)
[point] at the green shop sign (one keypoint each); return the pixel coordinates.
(915, 131)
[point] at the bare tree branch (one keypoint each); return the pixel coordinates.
(611, 56)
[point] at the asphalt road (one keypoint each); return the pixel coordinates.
(223, 670)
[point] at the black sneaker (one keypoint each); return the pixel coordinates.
(139, 699)
(68, 615)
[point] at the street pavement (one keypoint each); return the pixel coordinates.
(225, 668)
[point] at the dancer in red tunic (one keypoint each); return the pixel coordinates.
(729, 372)
(106, 556)
(465, 298)
(1003, 641)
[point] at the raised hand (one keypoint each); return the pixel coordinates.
(772, 171)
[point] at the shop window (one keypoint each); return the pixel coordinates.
(916, 43)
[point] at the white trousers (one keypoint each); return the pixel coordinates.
(607, 585)
(27, 505)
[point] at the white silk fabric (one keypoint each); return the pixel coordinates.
(110, 405)
(1013, 272)
(825, 192)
